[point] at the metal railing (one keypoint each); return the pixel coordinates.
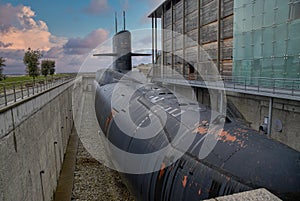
(256, 85)
(12, 92)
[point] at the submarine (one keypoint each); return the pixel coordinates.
(142, 118)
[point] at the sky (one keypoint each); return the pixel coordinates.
(70, 31)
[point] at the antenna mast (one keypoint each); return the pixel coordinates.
(116, 22)
(124, 20)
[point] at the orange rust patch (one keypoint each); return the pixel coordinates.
(202, 130)
(200, 127)
(109, 118)
(214, 132)
(162, 170)
(184, 181)
(107, 123)
(226, 137)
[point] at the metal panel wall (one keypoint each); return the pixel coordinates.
(266, 40)
(198, 21)
(209, 33)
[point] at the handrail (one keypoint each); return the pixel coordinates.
(259, 85)
(12, 92)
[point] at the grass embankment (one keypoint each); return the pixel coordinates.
(17, 80)
(27, 78)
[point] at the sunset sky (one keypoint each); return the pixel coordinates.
(67, 31)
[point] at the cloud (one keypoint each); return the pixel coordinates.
(53, 53)
(142, 43)
(152, 4)
(155, 3)
(125, 4)
(146, 41)
(5, 45)
(74, 53)
(19, 29)
(63, 62)
(97, 7)
(13, 61)
(86, 44)
(20, 17)
(8, 17)
(145, 19)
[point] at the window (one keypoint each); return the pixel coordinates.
(168, 6)
(295, 10)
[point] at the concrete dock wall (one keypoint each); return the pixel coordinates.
(33, 139)
(254, 108)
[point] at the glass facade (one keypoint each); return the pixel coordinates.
(266, 41)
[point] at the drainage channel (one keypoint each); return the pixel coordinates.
(84, 178)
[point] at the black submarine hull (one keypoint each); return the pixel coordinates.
(241, 160)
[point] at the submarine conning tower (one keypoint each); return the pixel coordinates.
(122, 54)
(122, 48)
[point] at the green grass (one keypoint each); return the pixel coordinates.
(27, 78)
(17, 79)
(10, 81)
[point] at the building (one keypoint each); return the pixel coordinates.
(255, 47)
(245, 38)
(192, 27)
(267, 41)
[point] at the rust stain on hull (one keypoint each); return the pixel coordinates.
(162, 170)
(184, 181)
(226, 136)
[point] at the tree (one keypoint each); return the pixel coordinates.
(52, 68)
(48, 67)
(45, 67)
(2, 60)
(31, 60)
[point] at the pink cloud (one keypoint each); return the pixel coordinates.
(97, 7)
(5, 45)
(14, 61)
(19, 30)
(22, 39)
(86, 44)
(8, 17)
